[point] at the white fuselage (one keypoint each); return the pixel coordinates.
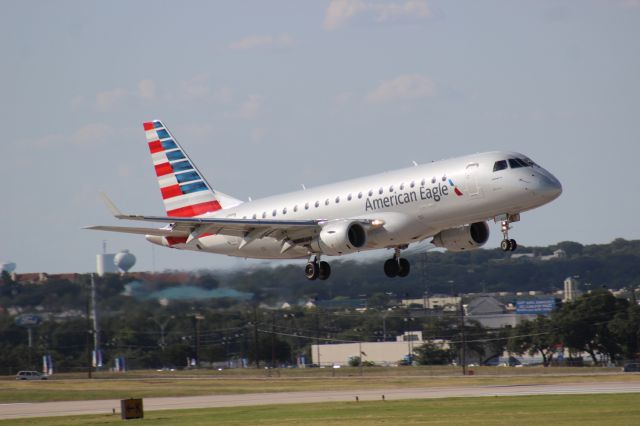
(413, 203)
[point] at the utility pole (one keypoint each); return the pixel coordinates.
(273, 339)
(256, 349)
(463, 343)
(96, 327)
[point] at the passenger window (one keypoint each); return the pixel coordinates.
(317, 204)
(255, 216)
(337, 199)
(244, 217)
(444, 178)
(306, 206)
(433, 179)
(402, 186)
(284, 211)
(349, 197)
(326, 202)
(359, 195)
(264, 215)
(423, 182)
(274, 212)
(370, 192)
(500, 165)
(412, 184)
(391, 188)
(515, 164)
(295, 208)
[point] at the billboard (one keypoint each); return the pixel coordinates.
(535, 306)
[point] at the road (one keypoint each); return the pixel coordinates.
(68, 408)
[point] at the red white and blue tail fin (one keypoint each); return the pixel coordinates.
(185, 192)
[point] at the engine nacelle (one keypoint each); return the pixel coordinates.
(467, 237)
(340, 237)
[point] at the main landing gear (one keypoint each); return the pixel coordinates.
(508, 244)
(397, 266)
(316, 269)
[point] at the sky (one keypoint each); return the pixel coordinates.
(266, 96)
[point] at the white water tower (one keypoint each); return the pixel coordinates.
(124, 261)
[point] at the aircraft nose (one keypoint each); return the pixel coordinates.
(549, 188)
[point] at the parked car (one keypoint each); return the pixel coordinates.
(31, 375)
(631, 367)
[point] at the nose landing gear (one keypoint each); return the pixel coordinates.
(316, 269)
(508, 244)
(397, 266)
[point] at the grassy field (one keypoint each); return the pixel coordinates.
(583, 410)
(141, 387)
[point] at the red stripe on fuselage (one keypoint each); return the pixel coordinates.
(155, 146)
(170, 191)
(195, 210)
(163, 169)
(148, 125)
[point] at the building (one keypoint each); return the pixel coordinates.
(380, 353)
(571, 291)
(437, 301)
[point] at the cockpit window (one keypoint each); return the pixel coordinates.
(515, 163)
(529, 162)
(500, 165)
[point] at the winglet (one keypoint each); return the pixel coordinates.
(111, 206)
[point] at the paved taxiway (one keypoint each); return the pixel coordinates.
(68, 408)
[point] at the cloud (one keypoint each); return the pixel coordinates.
(340, 12)
(91, 134)
(147, 89)
(262, 41)
(106, 100)
(249, 108)
(197, 88)
(407, 86)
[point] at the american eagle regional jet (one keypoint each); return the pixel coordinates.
(449, 201)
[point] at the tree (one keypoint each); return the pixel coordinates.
(583, 325)
(430, 353)
(533, 337)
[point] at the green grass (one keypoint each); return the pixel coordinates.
(68, 390)
(583, 410)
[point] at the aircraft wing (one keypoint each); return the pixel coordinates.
(291, 231)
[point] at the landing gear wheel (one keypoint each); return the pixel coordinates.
(311, 271)
(505, 245)
(391, 268)
(513, 244)
(324, 270)
(404, 267)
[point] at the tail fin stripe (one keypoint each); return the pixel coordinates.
(187, 200)
(163, 169)
(169, 144)
(193, 187)
(148, 126)
(181, 166)
(163, 134)
(187, 177)
(155, 146)
(171, 191)
(175, 155)
(196, 209)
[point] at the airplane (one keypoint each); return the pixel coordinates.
(449, 201)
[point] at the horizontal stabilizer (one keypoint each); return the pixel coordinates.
(139, 230)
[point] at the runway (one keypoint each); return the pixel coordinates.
(68, 408)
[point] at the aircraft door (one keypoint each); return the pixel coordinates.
(471, 180)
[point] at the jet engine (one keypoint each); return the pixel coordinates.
(467, 237)
(340, 237)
